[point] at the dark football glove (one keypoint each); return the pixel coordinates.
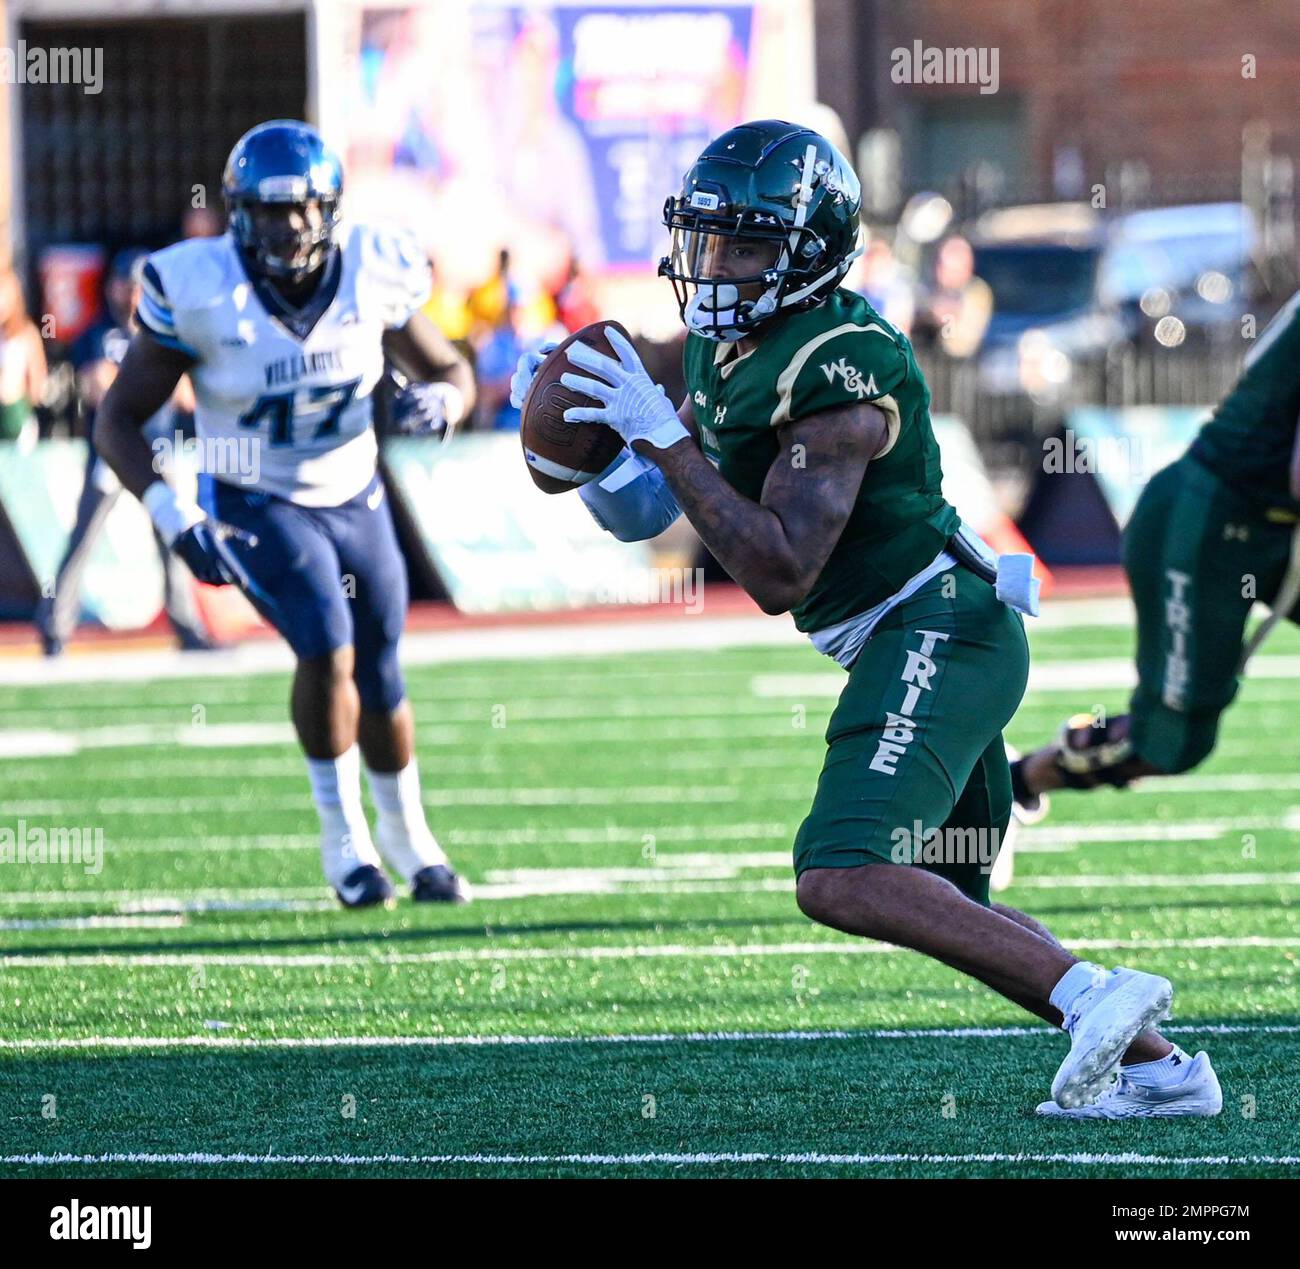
(202, 547)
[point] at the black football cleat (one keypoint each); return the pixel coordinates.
(365, 887)
(438, 884)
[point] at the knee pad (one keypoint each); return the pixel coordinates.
(378, 676)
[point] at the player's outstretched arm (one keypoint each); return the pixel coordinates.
(776, 548)
(425, 355)
(144, 384)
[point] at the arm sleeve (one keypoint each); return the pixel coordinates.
(631, 499)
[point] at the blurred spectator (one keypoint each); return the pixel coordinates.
(956, 310)
(202, 222)
(489, 302)
(497, 357)
(98, 351)
(887, 285)
(575, 301)
(96, 356)
(22, 363)
(446, 309)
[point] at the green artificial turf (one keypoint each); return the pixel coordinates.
(634, 992)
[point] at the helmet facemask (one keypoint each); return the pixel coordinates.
(726, 273)
(280, 249)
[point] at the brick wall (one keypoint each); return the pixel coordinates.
(1154, 81)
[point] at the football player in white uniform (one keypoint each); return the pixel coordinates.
(283, 325)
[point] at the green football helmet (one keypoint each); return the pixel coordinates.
(767, 221)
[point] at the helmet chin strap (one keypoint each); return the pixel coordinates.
(838, 271)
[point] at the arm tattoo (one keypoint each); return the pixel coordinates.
(776, 548)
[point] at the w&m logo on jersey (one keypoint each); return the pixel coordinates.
(852, 377)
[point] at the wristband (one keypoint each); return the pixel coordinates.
(171, 516)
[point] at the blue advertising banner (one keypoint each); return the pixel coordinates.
(645, 88)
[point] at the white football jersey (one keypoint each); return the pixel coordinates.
(305, 401)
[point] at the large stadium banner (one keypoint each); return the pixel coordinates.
(1122, 448)
(498, 544)
(122, 587)
(554, 128)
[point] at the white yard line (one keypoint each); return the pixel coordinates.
(521, 795)
(96, 724)
(1044, 676)
(83, 808)
(725, 730)
(1170, 881)
(523, 642)
(1157, 830)
(479, 763)
(651, 951)
(241, 1042)
(807, 1159)
(468, 838)
(1047, 839)
(101, 922)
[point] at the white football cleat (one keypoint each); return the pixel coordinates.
(1104, 1021)
(1005, 863)
(1198, 1094)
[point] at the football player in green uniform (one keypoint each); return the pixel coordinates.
(1210, 534)
(804, 457)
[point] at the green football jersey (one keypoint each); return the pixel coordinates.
(1248, 441)
(819, 359)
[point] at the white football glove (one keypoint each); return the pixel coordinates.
(633, 404)
(427, 409)
(526, 369)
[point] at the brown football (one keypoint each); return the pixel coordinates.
(562, 455)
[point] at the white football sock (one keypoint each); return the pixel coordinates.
(405, 838)
(345, 842)
(1079, 978)
(1163, 1072)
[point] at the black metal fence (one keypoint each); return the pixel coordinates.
(1125, 376)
